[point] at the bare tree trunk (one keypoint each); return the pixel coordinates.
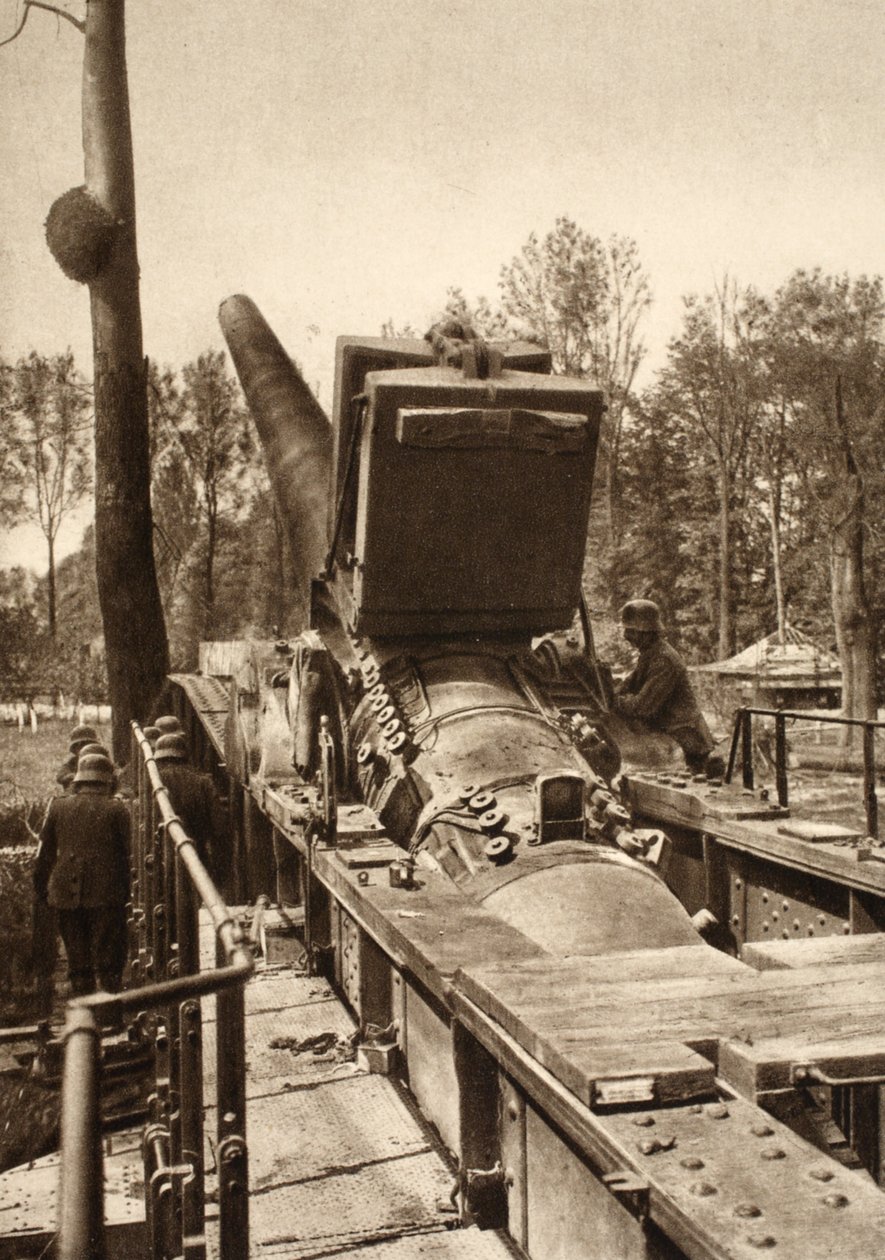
(132, 615)
(50, 584)
(855, 632)
(726, 594)
(210, 567)
(777, 565)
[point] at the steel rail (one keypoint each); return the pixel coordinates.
(81, 1204)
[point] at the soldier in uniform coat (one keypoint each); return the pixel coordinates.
(82, 870)
(193, 797)
(659, 692)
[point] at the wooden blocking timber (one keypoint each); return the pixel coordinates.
(771, 1064)
(621, 1074)
(868, 947)
(597, 1063)
(588, 1029)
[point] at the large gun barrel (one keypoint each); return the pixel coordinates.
(294, 431)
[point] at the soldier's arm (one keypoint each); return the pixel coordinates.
(627, 684)
(653, 694)
(47, 851)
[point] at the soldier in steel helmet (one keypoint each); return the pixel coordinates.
(82, 870)
(192, 794)
(658, 692)
(80, 736)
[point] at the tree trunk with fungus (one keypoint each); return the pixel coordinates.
(106, 259)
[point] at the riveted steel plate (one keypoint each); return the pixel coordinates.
(297, 1023)
(29, 1193)
(210, 700)
(729, 1177)
(343, 1163)
(423, 1242)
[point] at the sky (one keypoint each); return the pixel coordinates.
(345, 163)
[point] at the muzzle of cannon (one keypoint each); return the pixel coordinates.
(295, 433)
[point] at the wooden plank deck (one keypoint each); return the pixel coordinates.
(643, 1021)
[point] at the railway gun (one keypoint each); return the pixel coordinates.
(644, 1011)
(430, 773)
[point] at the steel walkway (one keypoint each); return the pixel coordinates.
(340, 1165)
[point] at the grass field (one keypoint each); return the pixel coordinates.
(29, 761)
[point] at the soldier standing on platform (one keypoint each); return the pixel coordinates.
(80, 736)
(193, 797)
(82, 870)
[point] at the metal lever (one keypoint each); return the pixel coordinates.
(811, 1074)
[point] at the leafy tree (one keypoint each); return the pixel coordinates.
(48, 432)
(712, 382)
(829, 365)
(174, 496)
(584, 300)
(215, 435)
(20, 627)
(10, 468)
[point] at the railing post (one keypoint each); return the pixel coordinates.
(191, 1086)
(747, 747)
(158, 1197)
(148, 896)
(81, 1216)
(159, 926)
(780, 759)
(231, 1152)
(735, 740)
(871, 800)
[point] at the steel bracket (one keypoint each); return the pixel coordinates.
(631, 1189)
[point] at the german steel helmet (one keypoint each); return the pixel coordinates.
(81, 735)
(641, 614)
(94, 748)
(171, 748)
(168, 724)
(152, 734)
(68, 769)
(94, 769)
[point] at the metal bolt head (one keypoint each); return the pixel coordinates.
(703, 1189)
(644, 1122)
(773, 1152)
(717, 1111)
(692, 1162)
(821, 1174)
(835, 1200)
(762, 1241)
(747, 1210)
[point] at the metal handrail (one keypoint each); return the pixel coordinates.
(742, 738)
(168, 876)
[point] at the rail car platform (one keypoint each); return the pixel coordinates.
(339, 1159)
